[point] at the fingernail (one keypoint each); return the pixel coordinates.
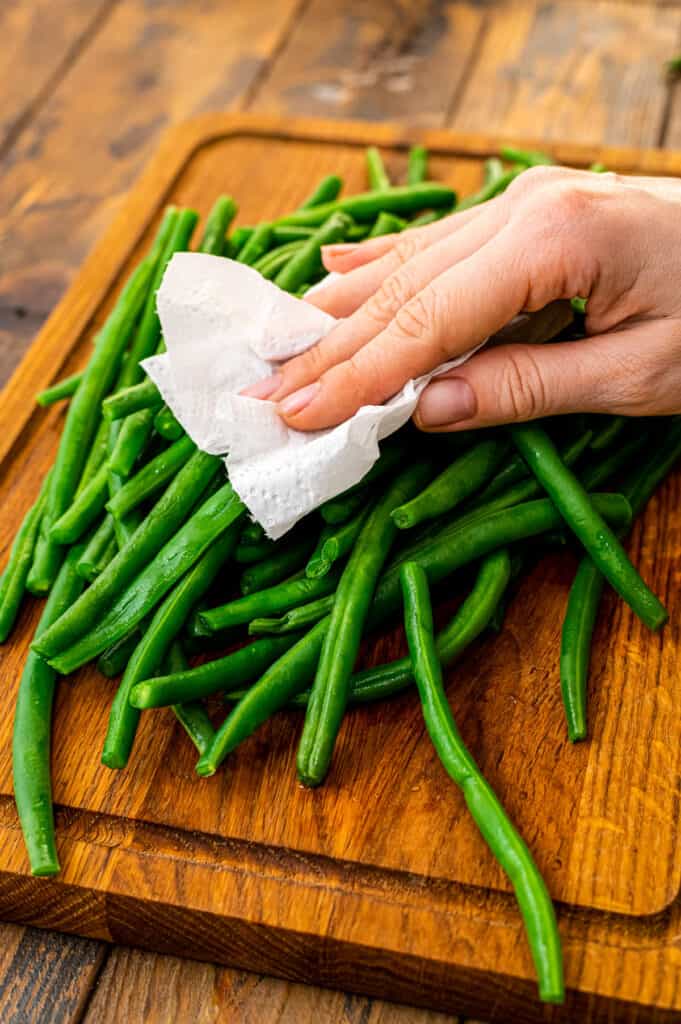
(446, 401)
(340, 249)
(263, 388)
(299, 399)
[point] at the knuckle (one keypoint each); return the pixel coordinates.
(386, 301)
(522, 392)
(408, 245)
(416, 318)
(535, 178)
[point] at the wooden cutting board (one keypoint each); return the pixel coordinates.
(377, 882)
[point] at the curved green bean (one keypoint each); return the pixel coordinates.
(489, 815)
(366, 206)
(64, 388)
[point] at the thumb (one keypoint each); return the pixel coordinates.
(609, 373)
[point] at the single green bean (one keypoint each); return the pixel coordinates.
(112, 661)
(274, 261)
(306, 260)
(529, 157)
(64, 388)
(97, 455)
(278, 566)
(13, 583)
(463, 477)
(332, 682)
(387, 224)
(272, 601)
(249, 551)
(340, 509)
(376, 173)
(489, 815)
(31, 734)
(157, 638)
(152, 477)
(128, 400)
(489, 191)
(417, 165)
(574, 504)
(257, 245)
(133, 437)
(285, 233)
(81, 422)
(367, 205)
(84, 510)
(239, 238)
(252, 533)
(609, 433)
(163, 521)
(296, 620)
(234, 670)
(166, 425)
(334, 543)
(95, 549)
(192, 716)
(326, 191)
(218, 221)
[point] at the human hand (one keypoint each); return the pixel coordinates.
(412, 301)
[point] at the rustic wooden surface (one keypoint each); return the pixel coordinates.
(88, 86)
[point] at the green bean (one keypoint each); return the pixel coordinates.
(417, 165)
(609, 433)
(239, 238)
(84, 509)
(251, 551)
(64, 388)
(257, 245)
(573, 503)
(476, 535)
(489, 191)
(493, 170)
(334, 543)
(307, 261)
(180, 553)
(279, 683)
(166, 425)
(585, 593)
(376, 173)
(340, 509)
(236, 669)
(128, 400)
(113, 660)
(326, 191)
(166, 623)
(133, 437)
(124, 526)
(272, 601)
(529, 157)
(31, 735)
(357, 232)
(13, 584)
(458, 481)
(192, 716)
(252, 533)
(274, 261)
(218, 221)
(387, 224)
(473, 616)
(98, 454)
(161, 524)
(489, 815)
(95, 549)
(174, 235)
(295, 620)
(152, 477)
(332, 682)
(285, 233)
(367, 205)
(81, 422)
(278, 566)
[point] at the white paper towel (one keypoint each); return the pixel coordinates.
(226, 327)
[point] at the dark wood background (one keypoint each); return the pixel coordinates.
(87, 87)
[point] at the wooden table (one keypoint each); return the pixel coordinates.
(87, 88)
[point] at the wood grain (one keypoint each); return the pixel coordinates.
(140, 988)
(40, 41)
(251, 870)
(588, 72)
(374, 61)
(155, 64)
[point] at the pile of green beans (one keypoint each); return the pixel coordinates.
(147, 556)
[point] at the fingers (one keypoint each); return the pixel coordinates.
(374, 316)
(625, 372)
(366, 265)
(450, 315)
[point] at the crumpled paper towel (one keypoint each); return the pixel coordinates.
(226, 327)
